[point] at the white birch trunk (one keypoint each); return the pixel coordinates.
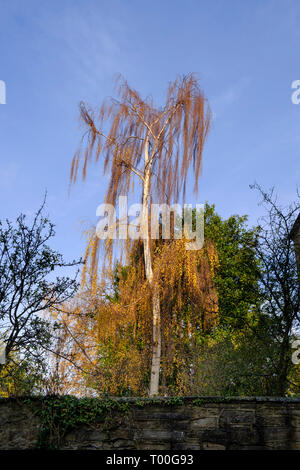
(156, 327)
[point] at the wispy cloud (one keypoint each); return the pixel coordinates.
(8, 176)
(229, 96)
(89, 45)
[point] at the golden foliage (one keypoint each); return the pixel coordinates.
(112, 335)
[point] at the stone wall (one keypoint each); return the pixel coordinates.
(167, 424)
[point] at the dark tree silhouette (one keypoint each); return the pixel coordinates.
(25, 290)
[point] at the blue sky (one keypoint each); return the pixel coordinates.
(55, 53)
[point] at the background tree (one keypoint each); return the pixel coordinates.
(237, 275)
(158, 145)
(27, 290)
(23, 376)
(279, 282)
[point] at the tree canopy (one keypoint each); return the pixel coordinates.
(27, 289)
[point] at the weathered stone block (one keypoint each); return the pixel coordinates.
(236, 417)
(244, 435)
(204, 423)
(153, 435)
(212, 446)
